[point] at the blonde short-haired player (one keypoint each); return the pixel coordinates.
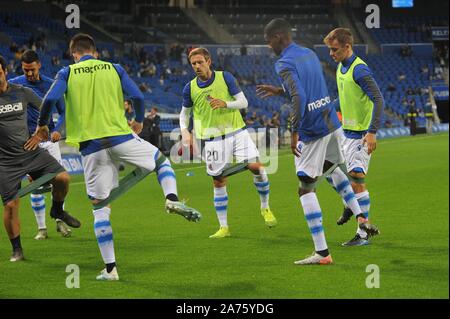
(361, 104)
(215, 99)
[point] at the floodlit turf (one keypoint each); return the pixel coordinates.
(163, 256)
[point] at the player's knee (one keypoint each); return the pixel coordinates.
(219, 181)
(11, 207)
(12, 204)
(358, 181)
(357, 174)
(307, 185)
(306, 180)
(161, 160)
(357, 177)
(327, 165)
(256, 168)
(62, 178)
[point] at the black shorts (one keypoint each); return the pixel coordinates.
(12, 174)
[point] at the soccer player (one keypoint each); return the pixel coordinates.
(21, 155)
(215, 99)
(95, 120)
(40, 84)
(361, 104)
(316, 132)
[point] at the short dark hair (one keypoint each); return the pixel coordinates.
(82, 43)
(29, 56)
(3, 63)
(276, 26)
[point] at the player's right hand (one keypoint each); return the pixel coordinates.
(136, 127)
(186, 138)
(42, 132)
(264, 91)
(294, 145)
(55, 136)
(32, 143)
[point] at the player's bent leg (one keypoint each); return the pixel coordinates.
(12, 226)
(54, 150)
(313, 215)
(60, 188)
(344, 189)
(262, 185)
(365, 229)
(167, 179)
(142, 154)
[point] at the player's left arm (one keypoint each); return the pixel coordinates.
(239, 102)
(364, 78)
(60, 124)
(53, 96)
(293, 86)
(137, 98)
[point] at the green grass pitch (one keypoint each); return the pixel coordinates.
(163, 256)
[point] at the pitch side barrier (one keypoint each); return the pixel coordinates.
(73, 165)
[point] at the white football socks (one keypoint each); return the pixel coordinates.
(313, 215)
(104, 234)
(261, 182)
(38, 206)
(221, 205)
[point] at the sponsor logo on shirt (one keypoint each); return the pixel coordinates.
(92, 69)
(13, 107)
(319, 103)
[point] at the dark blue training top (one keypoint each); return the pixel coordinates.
(301, 73)
(230, 80)
(129, 88)
(40, 88)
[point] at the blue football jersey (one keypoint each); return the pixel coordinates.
(40, 88)
(302, 77)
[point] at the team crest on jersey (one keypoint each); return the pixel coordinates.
(300, 147)
(359, 147)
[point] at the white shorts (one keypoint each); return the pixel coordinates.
(53, 149)
(315, 153)
(218, 153)
(356, 156)
(101, 168)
